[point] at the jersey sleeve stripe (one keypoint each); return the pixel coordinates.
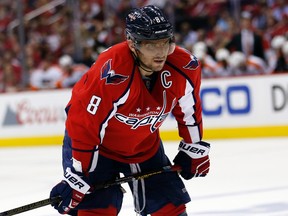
(121, 100)
(187, 105)
(94, 161)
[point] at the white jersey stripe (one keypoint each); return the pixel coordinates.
(187, 103)
(94, 160)
(194, 133)
(115, 105)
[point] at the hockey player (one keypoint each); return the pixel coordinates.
(71, 72)
(246, 65)
(113, 121)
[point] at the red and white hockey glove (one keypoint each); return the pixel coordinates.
(193, 159)
(71, 190)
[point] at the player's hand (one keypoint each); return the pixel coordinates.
(71, 190)
(193, 159)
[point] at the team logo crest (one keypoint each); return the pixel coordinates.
(153, 119)
(110, 75)
(193, 63)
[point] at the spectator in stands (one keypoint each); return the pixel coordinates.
(222, 32)
(10, 83)
(6, 15)
(2, 85)
(11, 71)
(247, 41)
(46, 75)
(71, 72)
(277, 44)
(209, 65)
(285, 54)
(280, 9)
(186, 36)
(47, 33)
(89, 56)
(222, 56)
(240, 64)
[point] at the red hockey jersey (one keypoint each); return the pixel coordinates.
(112, 110)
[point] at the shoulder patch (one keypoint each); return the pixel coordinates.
(193, 64)
(110, 75)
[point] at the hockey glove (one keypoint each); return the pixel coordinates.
(71, 190)
(193, 159)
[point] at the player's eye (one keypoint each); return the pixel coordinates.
(153, 46)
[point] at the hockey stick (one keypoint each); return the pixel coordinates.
(107, 184)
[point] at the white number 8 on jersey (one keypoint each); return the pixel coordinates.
(93, 105)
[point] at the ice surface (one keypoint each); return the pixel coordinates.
(247, 177)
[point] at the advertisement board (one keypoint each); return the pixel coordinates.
(239, 107)
(252, 106)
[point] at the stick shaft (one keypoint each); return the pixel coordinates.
(137, 176)
(119, 181)
(30, 206)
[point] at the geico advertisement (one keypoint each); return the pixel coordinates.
(33, 113)
(245, 101)
(227, 102)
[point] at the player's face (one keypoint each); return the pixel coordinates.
(153, 53)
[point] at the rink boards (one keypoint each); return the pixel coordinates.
(239, 107)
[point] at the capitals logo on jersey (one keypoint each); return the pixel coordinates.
(110, 75)
(192, 64)
(154, 119)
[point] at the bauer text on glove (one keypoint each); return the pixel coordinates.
(193, 159)
(71, 190)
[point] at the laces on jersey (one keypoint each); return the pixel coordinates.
(135, 168)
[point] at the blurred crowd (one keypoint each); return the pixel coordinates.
(62, 38)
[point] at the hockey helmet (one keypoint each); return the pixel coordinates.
(237, 59)
(222, 54)
(277, 42)
(65, 61)
(147, 23)
(285, 49)
(199, 46)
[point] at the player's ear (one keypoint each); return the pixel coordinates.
(171, 48)
(131, 45)
(172, 45)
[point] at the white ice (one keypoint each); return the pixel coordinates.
(248, 177)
